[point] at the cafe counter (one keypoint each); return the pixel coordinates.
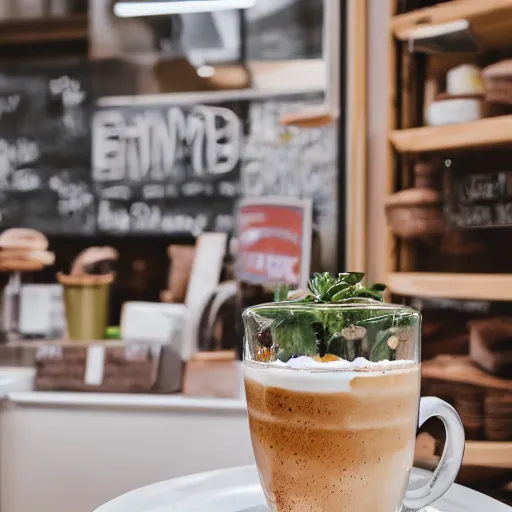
(73, 451)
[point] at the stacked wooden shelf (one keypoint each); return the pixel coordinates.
(495, 287)
(483, 454)
(492, 131)
(490, 20)
(44, 30)
(491, 23)
(488, 454)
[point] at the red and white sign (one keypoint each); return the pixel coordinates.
(274, 241)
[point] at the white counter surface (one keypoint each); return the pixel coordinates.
(124, 400)
(101, 445)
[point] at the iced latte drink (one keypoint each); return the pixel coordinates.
(333, 390)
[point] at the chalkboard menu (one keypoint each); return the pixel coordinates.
(45, 148)
(290, 162)
(171, 169)
(482, 200)
(478, 192)
(293, 162)
(69, 165)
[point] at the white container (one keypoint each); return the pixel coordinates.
(464, 80)
(16, 379)
(152, 321)
(456, 110)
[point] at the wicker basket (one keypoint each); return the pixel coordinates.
(483, 402)
(415, 213)
(498, 416)
(467, 400)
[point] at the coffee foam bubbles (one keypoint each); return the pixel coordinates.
(304, 374)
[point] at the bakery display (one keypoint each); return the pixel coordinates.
(95, 261)
(24, 250)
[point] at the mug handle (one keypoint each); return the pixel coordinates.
(451, 460)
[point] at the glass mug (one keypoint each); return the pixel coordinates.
(333, 393)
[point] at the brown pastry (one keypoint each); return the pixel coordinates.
(95, 260)
(20, 266)
(44, 257)
(22, 238)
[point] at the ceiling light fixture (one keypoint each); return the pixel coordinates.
(136, 9)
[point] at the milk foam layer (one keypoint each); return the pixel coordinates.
(307, 375)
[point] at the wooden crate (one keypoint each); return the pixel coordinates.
(105, 366)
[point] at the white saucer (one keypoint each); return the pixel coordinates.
(239, 490)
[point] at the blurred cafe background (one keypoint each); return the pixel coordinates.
(165, 164)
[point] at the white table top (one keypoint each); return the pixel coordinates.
(239, 490)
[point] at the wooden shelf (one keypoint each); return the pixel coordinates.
(495, 287)
(490, 20)
(482, 454)
(41, 30)
(488, 454)
(492, 131)
(309, 118)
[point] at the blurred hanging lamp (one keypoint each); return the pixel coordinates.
(140, 8)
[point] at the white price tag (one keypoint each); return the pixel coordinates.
(95, 365)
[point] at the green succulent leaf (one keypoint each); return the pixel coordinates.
(335, 289)
(294, 336)
(281, 293)
(354, 277)
(312, 331)
(380, 350)
(368, 293)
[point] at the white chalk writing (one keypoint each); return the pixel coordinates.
(289, 162)
(9, 104)
(69, 89)
(154, 141)
(25, 180)
(153, 192)
(145, 217)
(182, 223)
(224, 223)
(111, 218)
(13, 155)
(120, 192)
(482, 187)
